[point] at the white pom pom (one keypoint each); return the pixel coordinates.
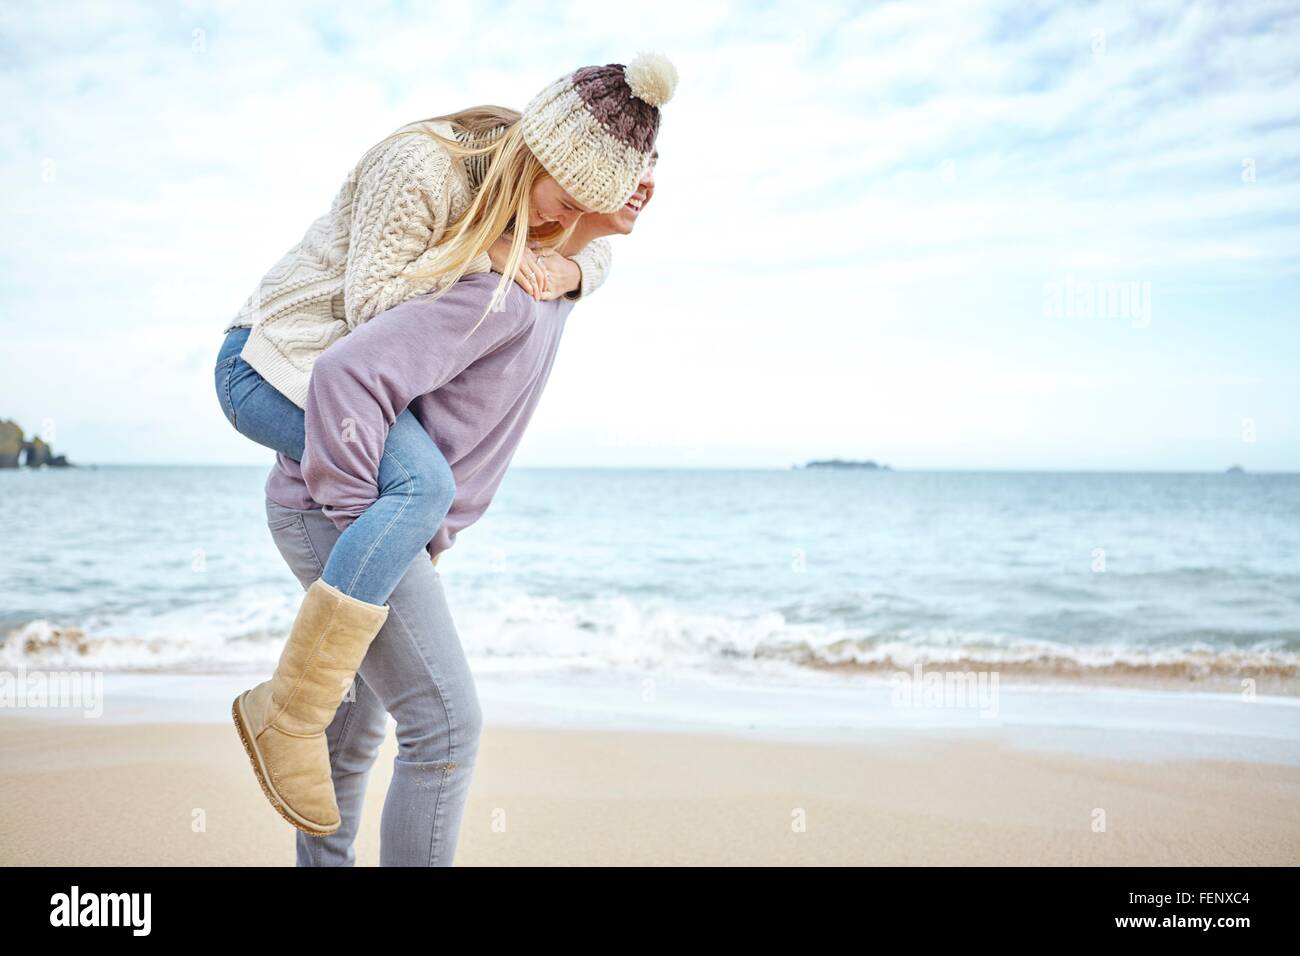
(652, 78)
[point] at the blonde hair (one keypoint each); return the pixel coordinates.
(502, 199)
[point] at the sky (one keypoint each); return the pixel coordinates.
(937, 235)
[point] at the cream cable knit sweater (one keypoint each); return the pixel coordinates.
(357, 259)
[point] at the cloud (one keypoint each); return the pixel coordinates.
(840, 188)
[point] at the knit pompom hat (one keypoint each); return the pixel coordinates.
(594, 129)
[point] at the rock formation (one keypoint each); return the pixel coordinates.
(11, 444)
(15, 450)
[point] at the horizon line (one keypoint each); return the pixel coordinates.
(802, 467)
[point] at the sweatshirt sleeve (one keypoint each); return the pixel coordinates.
(399, 214)
(594, 261)
(361, 383)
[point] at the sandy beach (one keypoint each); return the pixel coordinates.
(112, 793)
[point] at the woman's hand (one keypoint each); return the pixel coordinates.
(563, 274)
(531, 275)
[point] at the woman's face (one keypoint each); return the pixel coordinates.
(553, 204)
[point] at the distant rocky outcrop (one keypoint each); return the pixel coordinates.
(17, 451)
(1236, 470)
(11, 444)
(867, 465)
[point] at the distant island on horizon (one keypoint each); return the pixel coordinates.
(866, 465)
(869, 465)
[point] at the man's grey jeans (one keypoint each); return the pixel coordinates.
(415, 670)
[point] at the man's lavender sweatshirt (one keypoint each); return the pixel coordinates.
(474, 396)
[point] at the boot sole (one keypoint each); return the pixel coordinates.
(259, 771)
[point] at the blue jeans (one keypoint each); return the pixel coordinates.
(416, 486)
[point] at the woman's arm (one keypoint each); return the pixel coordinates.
(594, 261)
(362, 382)
(399, 213)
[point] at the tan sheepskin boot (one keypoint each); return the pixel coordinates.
(282, 721)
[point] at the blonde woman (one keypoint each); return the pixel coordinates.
(481, 190)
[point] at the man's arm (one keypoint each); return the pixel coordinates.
(361, 383)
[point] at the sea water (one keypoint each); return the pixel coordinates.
(794, 572)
